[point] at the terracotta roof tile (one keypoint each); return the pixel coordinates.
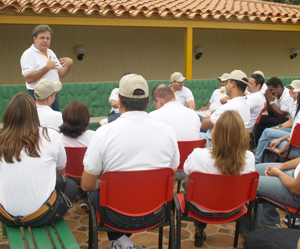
(247, 10)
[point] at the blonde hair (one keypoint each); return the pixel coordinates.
(230, 140)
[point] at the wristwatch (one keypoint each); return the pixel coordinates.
(271, 102)
(280, 125)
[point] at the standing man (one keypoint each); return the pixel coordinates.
(134, 141)
(236, 84)
(39, 62)
(182, 93)
(255, 99)
(278, 101)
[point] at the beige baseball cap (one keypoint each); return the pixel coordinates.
(238, 75)
(177, 77)
(223, 77)
(129, 83)
(296, 85)
(45, 88)
(259, 72)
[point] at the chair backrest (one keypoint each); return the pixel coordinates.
(75, 155)
(295, 139)
(186, 148)
(221, 193)
(259, 117)
(136, 193)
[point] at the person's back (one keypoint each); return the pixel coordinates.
(32, 161)
(184, 121)
(135, 139)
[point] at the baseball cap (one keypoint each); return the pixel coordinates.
(259, 72)
(45, 88)
(129, 83)
(223, 77)
(295, 84)
(177, 77)
(238, 75)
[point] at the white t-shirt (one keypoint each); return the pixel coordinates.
(82, 141)
(283, 103)
(184, 96)
(114, 96)
(296, 121)
(293, 109)
(200, 160)
(33, 60)
(49, 118)
(135, 141)
(26, 185)
(256, 104)
(184, 121)
(238, 104)
(296, 172)
(215, 99)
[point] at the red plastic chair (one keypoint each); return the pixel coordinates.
(135, 194)
(185, 149)
(295, 141)
(291, 213)
(75, 155)
(217, 194)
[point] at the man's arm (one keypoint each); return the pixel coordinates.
(191, 104)
(205, 107)
(37, 75)
(206, 123)
(66, 64)
(224, 100)
(89, 182)
(114, 103)
(273, 109)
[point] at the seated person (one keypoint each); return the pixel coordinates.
(279, 182)
(277, 138)
(228, 155)
(182, 93)
(114, 103)
(255, 99)
(76, 119)
(45, 92)
(214, 101)
(278, 102)
(129, 143)
(236, 85)
(33, 159)
(282, 238)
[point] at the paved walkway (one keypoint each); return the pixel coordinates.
(218, 236)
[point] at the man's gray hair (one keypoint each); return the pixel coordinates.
(41, 28)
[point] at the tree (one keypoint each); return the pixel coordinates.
(294, 2)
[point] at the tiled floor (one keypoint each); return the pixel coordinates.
(218, 236)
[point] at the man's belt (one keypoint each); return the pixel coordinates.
(35, 214)
(31, 91)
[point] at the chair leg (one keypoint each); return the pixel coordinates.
(178, 235)
(236, 235)
(172, 233)
(160, 237)
(178, 186)
(93, 231)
